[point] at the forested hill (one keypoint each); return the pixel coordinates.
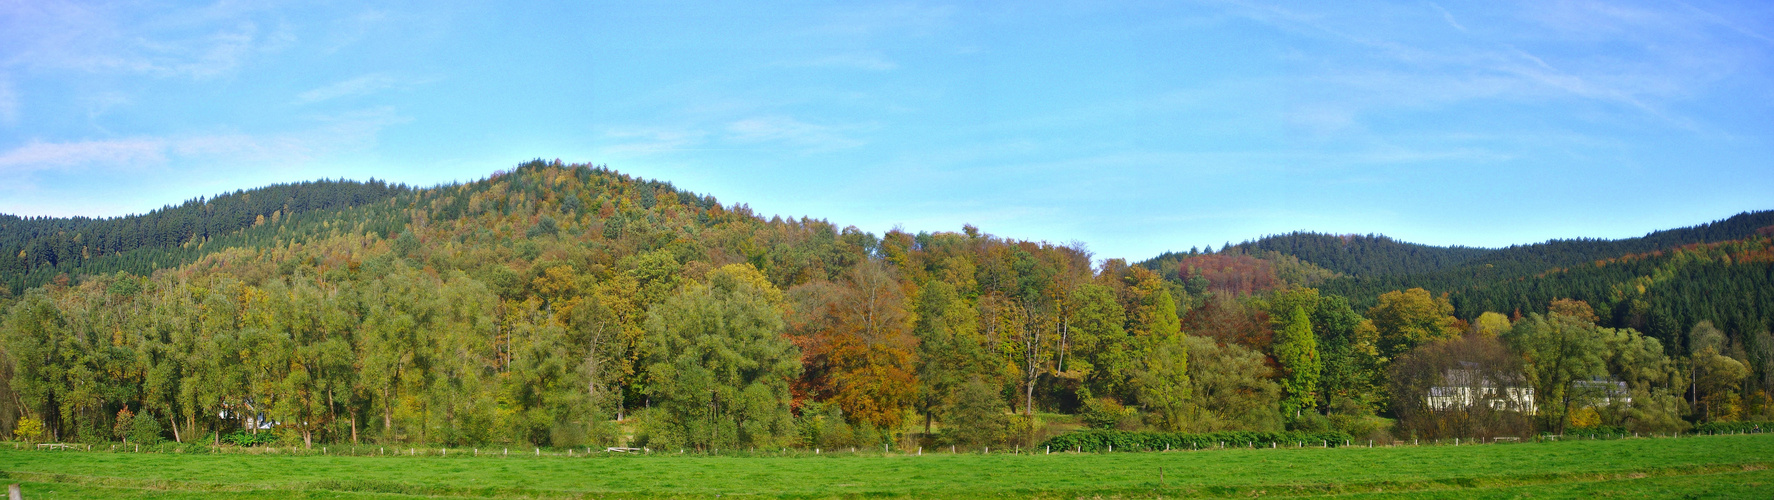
(1662, 283)
(1363, 254)
(1375, 255)
(33, 250)
(549, 304)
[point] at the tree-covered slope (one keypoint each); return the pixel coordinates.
(34, 250)
(1374, 255)
(1364, 255)
(535, 305)
(541, 305)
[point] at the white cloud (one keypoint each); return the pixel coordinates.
(788, 130)
(332, 135)
(653, 139)
(37, 156)
(1644, 59)
(8, 103)
(1448, 16)
(362, 85)
(199, 43)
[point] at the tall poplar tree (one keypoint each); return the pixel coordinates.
(1296, 350)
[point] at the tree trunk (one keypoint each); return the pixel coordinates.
(387, 417)
(175, 428)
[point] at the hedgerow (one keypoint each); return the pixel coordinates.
(1107, 440)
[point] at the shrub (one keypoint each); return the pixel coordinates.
(977, 416)
(1746, 427)
(1105, 413)
(244, 438)
(28, 429)
(125, 422)
(1101, 440)
(144, 429)
(1311, 421)
(1598, 431)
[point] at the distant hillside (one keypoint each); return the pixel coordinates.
(1661, 283)
(34, 250)
(1375, 255)
(1363, 255)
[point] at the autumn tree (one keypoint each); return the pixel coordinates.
(1717, 378)
(1469, 386)
(1490, 324)
(1410, 318)
(873, 359)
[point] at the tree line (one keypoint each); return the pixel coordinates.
(562, 305)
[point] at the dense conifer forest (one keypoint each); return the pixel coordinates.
(569, 305)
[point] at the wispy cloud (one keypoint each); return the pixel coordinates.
(37, 156)
(783, 129)
(362, 85)
(8, 103)
(192, 43)
(332, 135)
(1448, 16)
(1642, 58)
(653, 139)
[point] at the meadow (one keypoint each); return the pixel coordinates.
(1734, 466)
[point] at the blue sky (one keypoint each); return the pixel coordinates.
(1133, 127)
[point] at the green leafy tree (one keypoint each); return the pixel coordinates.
(1718, 378)
(1653, 384)
(949, 349)
(36, 337)
(1560, 351)
(1162, 384)
(976, 417)
(1231, 388)
(1296, 350)
(1346, 348)
(719, 367)
(1101, 350)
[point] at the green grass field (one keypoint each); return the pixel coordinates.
(1690, 467)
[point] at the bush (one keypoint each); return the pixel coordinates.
(1101, 440)
(28, 429)
(1599, 431)
(1310, 421)
(1734, 427)
(977, 416)
(245, 438)
(144, 429)
(1107, 414)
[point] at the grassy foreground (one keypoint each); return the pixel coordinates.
(1703, 467)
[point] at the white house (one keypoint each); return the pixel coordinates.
(1464, 387)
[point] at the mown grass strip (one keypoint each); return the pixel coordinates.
(1225, 473)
